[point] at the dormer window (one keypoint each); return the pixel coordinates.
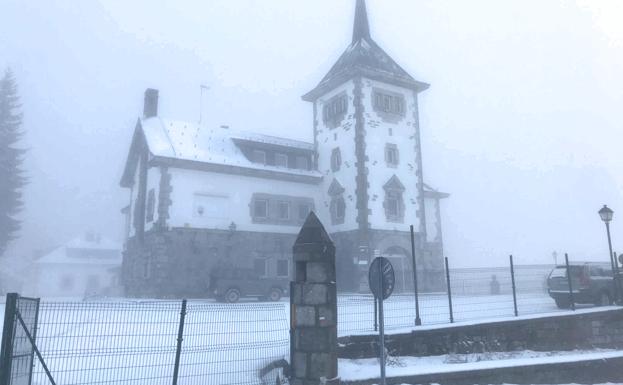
(334, 110)
(336, 159)
(302, 163)
(281, 160)
(258, 156)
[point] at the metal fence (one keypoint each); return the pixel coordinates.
(136, 342)
(476, 294)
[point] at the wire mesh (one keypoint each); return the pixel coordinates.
(477, 294)
(135, 342)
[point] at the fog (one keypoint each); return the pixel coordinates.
(521, 125)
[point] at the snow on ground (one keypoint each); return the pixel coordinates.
(364, 369)
(134, 340)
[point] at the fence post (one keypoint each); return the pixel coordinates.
(449, 291)
(180, 338)
(513, 283)
(6, 352)
(418, 321)
(571, 303)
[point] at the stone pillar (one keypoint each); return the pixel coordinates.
(313, 307)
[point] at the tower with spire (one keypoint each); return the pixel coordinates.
(367, 139)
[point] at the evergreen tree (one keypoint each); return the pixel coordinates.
(12, 178)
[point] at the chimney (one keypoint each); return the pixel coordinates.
(150, 107)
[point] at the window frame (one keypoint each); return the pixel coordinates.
(255, 202)
(335, 109)
(287, 268)
(283, 157)
(302, 159)
(254, 156)
(288, 211)
(392, 156)
(336, 159)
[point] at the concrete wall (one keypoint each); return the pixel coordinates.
(585, 330)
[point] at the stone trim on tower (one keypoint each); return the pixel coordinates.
(419, 171)
(361, 178)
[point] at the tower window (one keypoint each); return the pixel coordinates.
(388, 102)
(334, 110)
(338, 205)
(336, 159)
(394, 203)
(391, 154)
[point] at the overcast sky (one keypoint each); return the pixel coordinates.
(522, 123)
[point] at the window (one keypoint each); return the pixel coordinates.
(303, 211)
(281, 160)
(391, 155)
(302, 163)
(283, 210)
(260, 208)
(151, 205)
(283, 268)
(393, 206)
(334, 110)
(338, 205)
(259, 266)
(393, 203)
(338, 210)
(389, 103)
(258, 156)
(336, 159)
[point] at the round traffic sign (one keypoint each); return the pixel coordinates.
(381, 277)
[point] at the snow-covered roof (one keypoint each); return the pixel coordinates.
(191, 141)
(85, 252)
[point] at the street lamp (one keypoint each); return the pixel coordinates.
(606, 215)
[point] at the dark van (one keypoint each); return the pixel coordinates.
(591, 282)
(231, 284)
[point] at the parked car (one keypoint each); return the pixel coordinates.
(591, 282)
(231, 284)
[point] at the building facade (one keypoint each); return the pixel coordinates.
(202, 196)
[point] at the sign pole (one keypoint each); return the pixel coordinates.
(381, 324)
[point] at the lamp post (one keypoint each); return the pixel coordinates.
(606, 215)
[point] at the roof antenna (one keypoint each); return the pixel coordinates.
(201, 88)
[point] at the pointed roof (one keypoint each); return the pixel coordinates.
(335, 188)
(394, 184)
(313, 232)
(361, 29)
(364, 57)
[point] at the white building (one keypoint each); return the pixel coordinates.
(201, 195)
(88, 266)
